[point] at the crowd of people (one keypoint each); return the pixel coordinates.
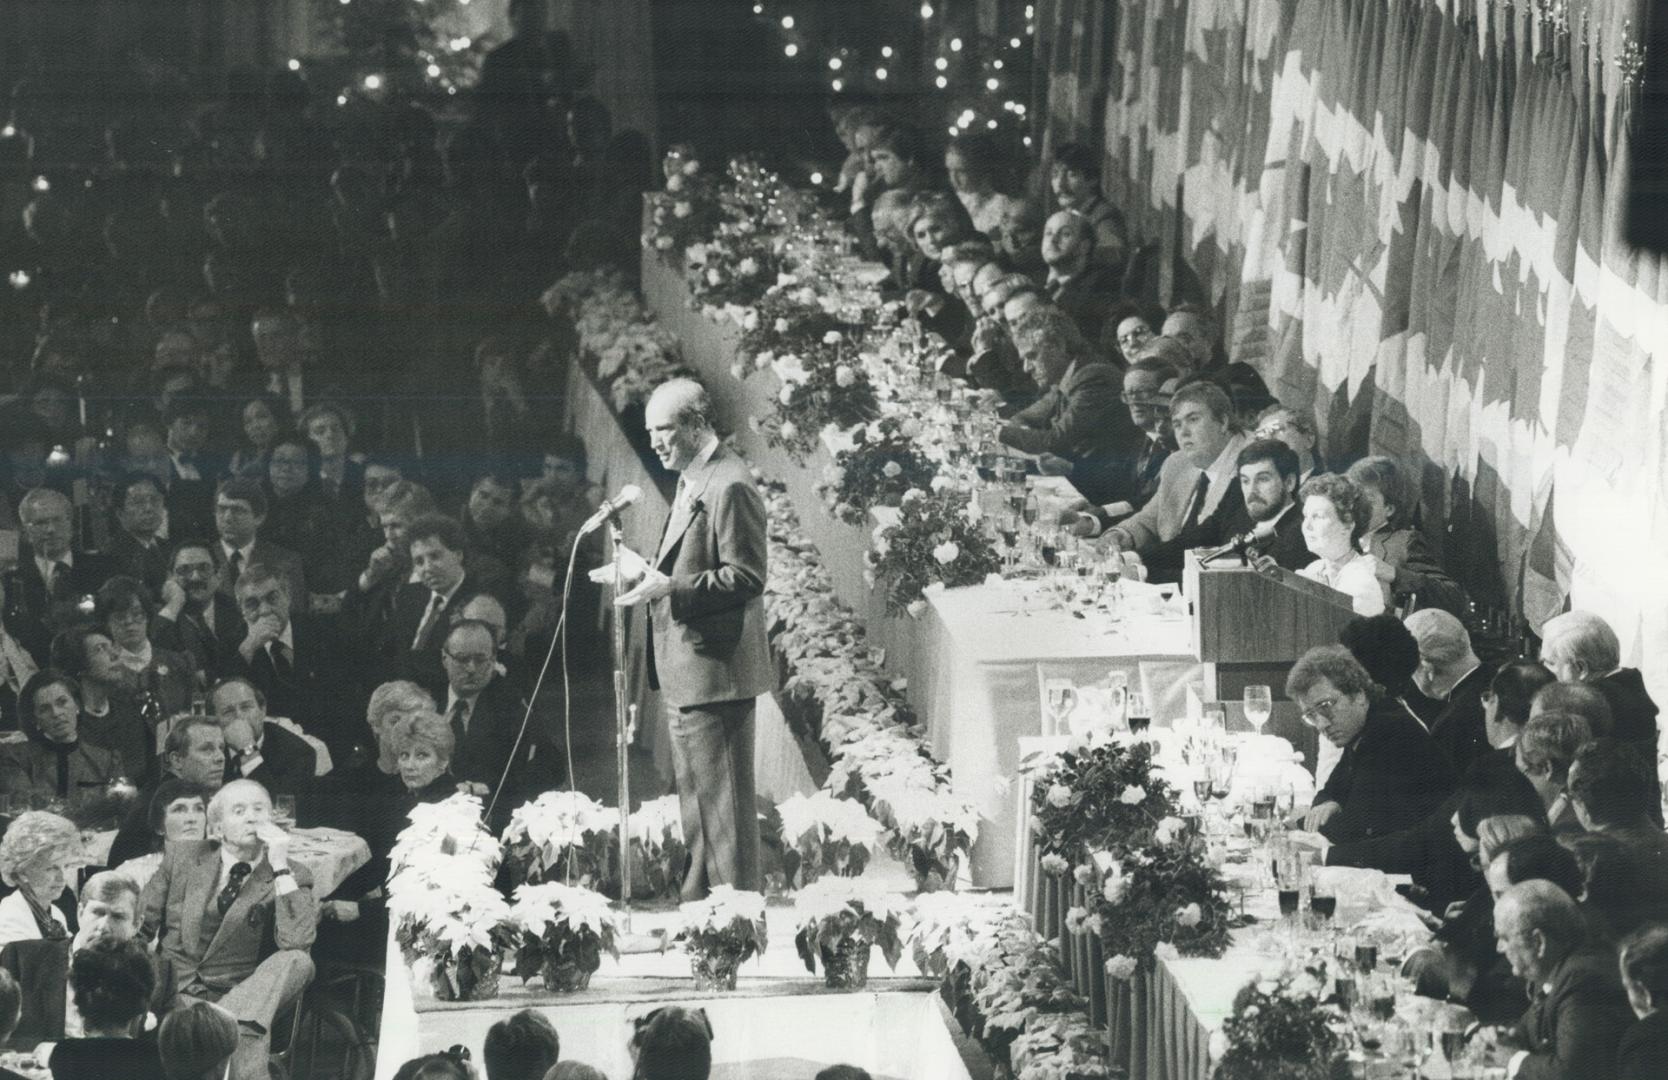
(286, 520)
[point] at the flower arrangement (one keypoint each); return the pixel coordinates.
(883, 465)
(687, 210)
(459, 931)
(946, 931)
(734, 267)
(932, 828)
(934, 543)
(1163, 900)
(559, 836)
(825, 835)
(1280, 1028)
(1095, 793)
(564, 932)
(632, 353)
(1014, 988)
(657, 847)
(821, 386)
(841, 920)
(721, 933)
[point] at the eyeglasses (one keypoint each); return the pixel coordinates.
(1145, 399)
(1321, 710)
(476, 660)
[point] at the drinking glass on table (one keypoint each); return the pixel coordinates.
(1140, 716)
(1062, 700)
(1259, 706)
(283, 812)
(1117, 699)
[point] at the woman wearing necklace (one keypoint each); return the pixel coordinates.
(1335, 516)
(33, 856)
(52, 763)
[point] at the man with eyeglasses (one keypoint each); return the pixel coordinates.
(1391, 773)
(52, 578)
(486, 714)
(139, 544)
(196, 619)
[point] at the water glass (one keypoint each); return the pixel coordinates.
(1259, 706)
(283, 811)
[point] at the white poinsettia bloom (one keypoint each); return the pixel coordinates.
(831, 896)
(565, 907)
(947, 552)
(656, 821)
(830, 818)
(781, 326)
(1218, 1044)
(723, 906)
(714, 276)
(1054, 864)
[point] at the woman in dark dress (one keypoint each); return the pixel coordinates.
(112, 983)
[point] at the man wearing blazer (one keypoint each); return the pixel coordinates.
(196, 619)
(427, 605)
(707, 650)
(234, 921)
(44, 591)
(240, 508)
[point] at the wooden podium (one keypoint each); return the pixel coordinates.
(1250, 627)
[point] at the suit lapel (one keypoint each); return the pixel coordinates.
(254, 891)
(695, 481)
(199, 892)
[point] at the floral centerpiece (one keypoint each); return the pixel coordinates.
(1280, 1028)
(936, 542)
(1162, 900)
(559, 836)
(657, 848)
(721, 933)
(457, 932)
(1093, 793)
(564, 932)
(824, 835)
(841, 920)
(688, 209)
(884, 464)
(822, 385)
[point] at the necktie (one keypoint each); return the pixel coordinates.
(430, 616)
(281, 660)
(234, 568)
(1196, 504)
(60, 578)
(459, 713)
(234, 885)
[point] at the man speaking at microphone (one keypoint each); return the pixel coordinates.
(707, 654)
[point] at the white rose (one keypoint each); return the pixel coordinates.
(781, 326)
(942, 483)
(674, 183)
(786, 395)
(786, 280)
(696, 254)
(714, 277)
(690, 168)
(1189, 915)
(1084, 875)
(749, 266)
(1121, 967)
(913, 495)
(832, 338)
(947, 552)
(892, 469)
(1133, 795)
(1059, 796)
(682, 209)
(844, 375)
(1093, 924)
(915, 609)
(738, 370)
(1169, 829)
(750, 321)
(1218, 1044)
(790, 430)
(1116, 886)
(909, 429)
(764, 360)
(663, 243)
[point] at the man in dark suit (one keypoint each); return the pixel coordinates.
(193, 750)
(240, 509)
(412, 635)
(1450, 672)
(234, 921)
(1080, 286)
(1079, 428)
(297, 663)
(1544, 752)
(136, 543)
(707, 650)
(190, 494)
(1578, 1010)
(1644, 963)
(256, 748)
(1391, 773)
(196, 619)
(46, 588)
(486, 712)
(1260, 521)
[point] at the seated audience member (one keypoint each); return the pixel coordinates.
(1334, 517)
(1192, 481)
(176, 811)
(296, 661)
(562, 1070)
(262, 419)
(1576, 699)
(1389, 652)
(240, 509)
(1074, 180)
(1020, 242)
(672, 1043)
(197, 1042)
(1610, 790)
(1644, 963)
(108, 911)
(493, 527)
(1622, 886)
(973, 162)
(16, 668)
(333, 801)
(112, 717)
(1078, 424)
(1262, 522)
(191, 474)
(197, 620)
(111, 983)
(193, 751)
(52, 762)
(1131, 329)
(1578, 1010)
(1405, 564)
(370, 603)
(136, 543)
(1578, 646)
(1450, 672)
(1543, 752)
(485, 712)
(124, 609)
(34, 852)
(247, 950)
(1297, 431)
(893, 246)
(301, 519)
(450, 1064)
(1390, 774)
(523, 1046)
(11, 1009)
(331, 428)
(257, 748)
(1082, 288)
(1149, 411)
(44, 591)
(424, 606)
(1193, 327)
(1506, 708)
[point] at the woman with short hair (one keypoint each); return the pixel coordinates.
(53, 763)
(178, 811)
(112, 983)
(1335, 516)
(33, 854)
(125, 609)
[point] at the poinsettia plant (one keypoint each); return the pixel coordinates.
(839, 912)
(564, 930)
(935, 542)
(560, 836)
(723, 932)
(824, 835)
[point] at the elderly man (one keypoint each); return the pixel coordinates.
(1149, 411)
(233, 921)
(256, 748)
(1580, 647)
(1078, 428)
(1544, 752)
(1450, 672)
(194, 750)
(1079, 286)
(137, 544)
(1390, 774)
(1578, 1010)
(486, 712)
(51, 577)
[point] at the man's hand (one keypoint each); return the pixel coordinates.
(632, 568)
(474, 787)
(1318, 816)
(987, 335)
(339, 911)
(173, 599)
(277, 843)
(239, 739)
(1053, 465)
(653, 586)
(381, 565)
(263, 630)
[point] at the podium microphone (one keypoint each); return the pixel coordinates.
(1238, 544)
(627, 496)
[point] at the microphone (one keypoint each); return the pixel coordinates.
(627, 496)
(1238, 544)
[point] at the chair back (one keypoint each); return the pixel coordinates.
(42, 969)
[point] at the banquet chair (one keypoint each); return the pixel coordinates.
(42, 967)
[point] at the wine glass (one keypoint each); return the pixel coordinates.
(1140, 716)
(1062, 700)
(1117, 699)
(283, 812)
(1259, 706)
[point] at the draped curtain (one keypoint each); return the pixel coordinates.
(1404, 211)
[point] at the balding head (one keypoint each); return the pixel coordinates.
(1579, 646)
(1169, 351)
(1537, 925)
(1444, 650)
(679, 419)
(48, 522)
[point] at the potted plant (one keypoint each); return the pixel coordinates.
(824, 835)
(721, 933)
(456, 933)
(932, 828)
(559, 836)
(451, 827)
(840, 922)
(564, 932)
(657, 849)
